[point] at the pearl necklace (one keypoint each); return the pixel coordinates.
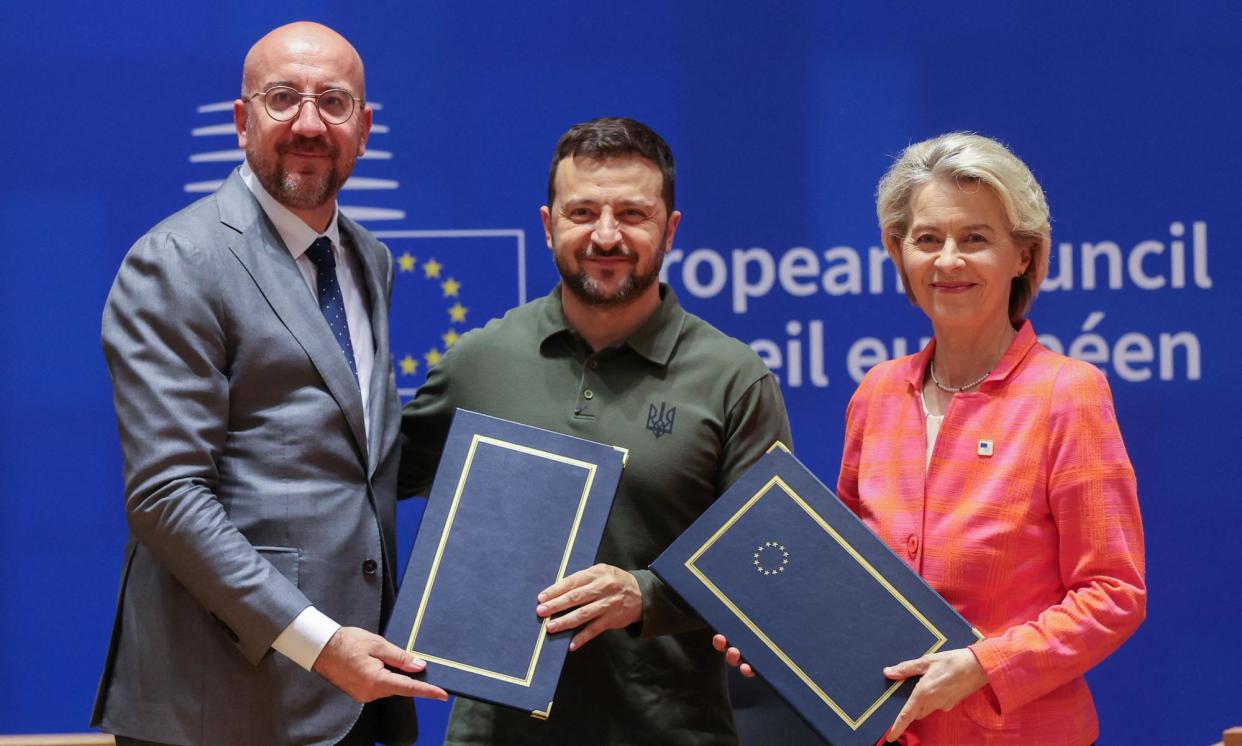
(955, 389)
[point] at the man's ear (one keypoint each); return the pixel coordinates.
(670, 230)
(365, 118)
(545, 216)
(240, 116)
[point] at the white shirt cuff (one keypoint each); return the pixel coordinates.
(305, 637)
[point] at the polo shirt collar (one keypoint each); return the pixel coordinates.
(657, 337)
(298, 236)
(655, 340)
(1022, 343)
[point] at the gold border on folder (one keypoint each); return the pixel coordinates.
(444, 535)
(776, 481)
(778, 446)
(543, 714)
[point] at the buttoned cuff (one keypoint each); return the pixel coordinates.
(305, 637)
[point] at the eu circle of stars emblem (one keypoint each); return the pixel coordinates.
(771, 558)
(433, 303)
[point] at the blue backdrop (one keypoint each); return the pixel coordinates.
(782, 116)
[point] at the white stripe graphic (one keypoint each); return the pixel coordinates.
(217, 155)
(195, 187)
(362, 182)
(363, 214)
(214, 129)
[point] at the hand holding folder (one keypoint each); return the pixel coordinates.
(947, 679)
(602, 597)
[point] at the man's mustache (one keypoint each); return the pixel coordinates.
(615, 252)
(302, 144)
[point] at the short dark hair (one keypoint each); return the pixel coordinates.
(611, 137)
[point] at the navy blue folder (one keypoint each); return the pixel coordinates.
(512, 510)
(815, 601)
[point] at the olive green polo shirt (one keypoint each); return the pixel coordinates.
(695, 408)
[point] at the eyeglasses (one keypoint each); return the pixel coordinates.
(283, 103)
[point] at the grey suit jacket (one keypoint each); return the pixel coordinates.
(251, 489)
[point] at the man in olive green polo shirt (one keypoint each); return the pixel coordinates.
(611, 355)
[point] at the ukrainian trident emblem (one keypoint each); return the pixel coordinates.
(660, 421)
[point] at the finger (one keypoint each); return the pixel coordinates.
(571, 598)
(720, 643)
(746, 670)
(586, 635)
(390, 683)
(577, 617)
(567, 583)
(396, 657)
(906, 669)
(733, 657)
(904, 718)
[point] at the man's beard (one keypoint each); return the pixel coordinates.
(590, 292)
(299, 191)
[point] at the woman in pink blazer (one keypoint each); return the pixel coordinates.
(992, 465)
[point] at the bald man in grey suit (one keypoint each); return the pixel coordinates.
(247, 340)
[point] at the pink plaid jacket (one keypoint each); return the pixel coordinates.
(1026, 521)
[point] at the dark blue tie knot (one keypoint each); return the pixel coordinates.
(320, 252)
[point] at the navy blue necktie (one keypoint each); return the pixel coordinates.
(330, 301)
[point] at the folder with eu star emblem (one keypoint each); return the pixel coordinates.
(815, 601)
(512, 510)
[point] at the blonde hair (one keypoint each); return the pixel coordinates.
(965, 156)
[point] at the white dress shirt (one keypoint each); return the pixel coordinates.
(305, 637)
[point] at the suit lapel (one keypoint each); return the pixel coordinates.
(375, 274)
(269, 263)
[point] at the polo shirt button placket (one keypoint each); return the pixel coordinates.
(585, 393)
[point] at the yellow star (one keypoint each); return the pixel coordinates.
(458, 312)
(450, 287)
(405, 262)
(408, 366)
(451, 338)
(431, 268)
(432, 357)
